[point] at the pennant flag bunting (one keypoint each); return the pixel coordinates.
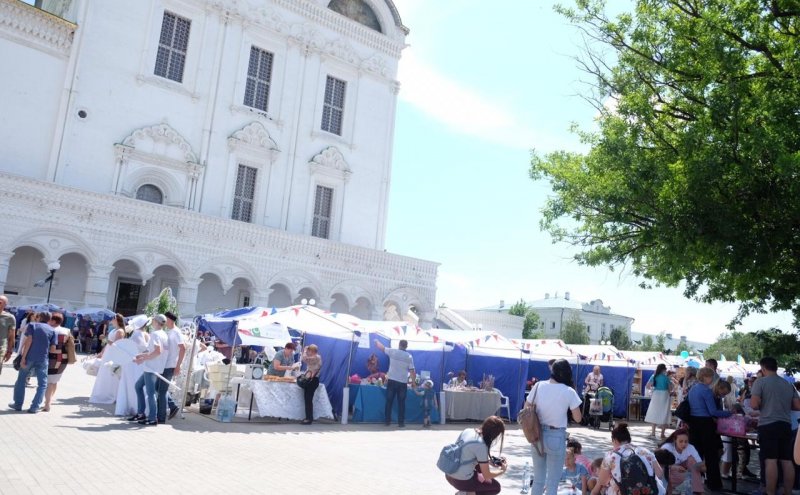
(273, 310)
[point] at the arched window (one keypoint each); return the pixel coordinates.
(357, 10)
(151, 193)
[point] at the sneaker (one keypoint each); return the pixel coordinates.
(173, 412)
(13, 406)
(136, 417)
(33, 411)
(147, 422)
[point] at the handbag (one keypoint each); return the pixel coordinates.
(732, 426)
(17, 362)
(69, 347)
(529, 420)
(684, 410)
(304, 380)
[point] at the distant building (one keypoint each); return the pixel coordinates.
(555, 311)
(670, 342)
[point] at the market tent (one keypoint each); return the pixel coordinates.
(648, 361)
(95, 314)
(731, 368)
(265, 321)
(483, 353)
(508, 366)
(617, 369)
(541, 352)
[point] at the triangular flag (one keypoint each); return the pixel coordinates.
(273, 310)
(722, 357)
(296, 311)
(264, 313)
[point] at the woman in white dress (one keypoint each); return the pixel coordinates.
(107, 382)
(660, 411)
(126, 391)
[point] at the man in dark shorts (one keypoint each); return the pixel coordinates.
(775, 398)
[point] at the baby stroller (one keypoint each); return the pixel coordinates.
(602, 408)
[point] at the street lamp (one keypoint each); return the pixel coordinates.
(53, 266)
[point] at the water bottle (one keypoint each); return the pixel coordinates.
(526, 478)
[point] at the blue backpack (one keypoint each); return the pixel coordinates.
(450, 456)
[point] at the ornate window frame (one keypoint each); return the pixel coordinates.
(328, 168)
(251, 146)
(136, 167)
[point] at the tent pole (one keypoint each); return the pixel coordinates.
(188, 374)
(346, 388)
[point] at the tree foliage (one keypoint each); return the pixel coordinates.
(692, 175)
(646, 344)
(574, 331)
(619, 339)
(661, 342)
(162, 303)
(734, 344)
(530, 326)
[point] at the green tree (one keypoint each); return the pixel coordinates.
(530, 326)
(661, 342)
(784, 347)
(736, 343)
(619, 339)
(682, 346)
(574, 331)
(691, 177)
(646, 344)
(162, 303)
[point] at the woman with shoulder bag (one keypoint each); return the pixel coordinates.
(313, 362)
(552, 399)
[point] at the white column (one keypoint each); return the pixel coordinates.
(96, 293)
(187, 296)
(5, 260)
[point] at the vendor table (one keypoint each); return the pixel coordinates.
(369, 405)
(471, 404)
(282, 399)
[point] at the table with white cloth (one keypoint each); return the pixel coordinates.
(471, 404)
(280, 400)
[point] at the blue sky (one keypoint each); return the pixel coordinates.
(482, 83)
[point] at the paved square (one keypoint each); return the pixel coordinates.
(83, 449)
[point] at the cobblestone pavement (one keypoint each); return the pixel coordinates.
(83, 449)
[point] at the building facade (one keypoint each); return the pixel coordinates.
(554, 312)
(238, 151)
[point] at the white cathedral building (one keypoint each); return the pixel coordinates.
(237, 151)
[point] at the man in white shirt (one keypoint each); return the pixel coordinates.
(176, 350)
(153, 362)
(401, 364)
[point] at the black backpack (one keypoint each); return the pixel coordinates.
(635, 478)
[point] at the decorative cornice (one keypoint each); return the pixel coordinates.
(36, 27)
(330, 161)
(253, 140)
(162, 133)
(206, 237)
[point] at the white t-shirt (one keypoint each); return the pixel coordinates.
(478, 452)
(174, 340)
(400, 363)
(156, 365)
(553, 400)
(688, 452)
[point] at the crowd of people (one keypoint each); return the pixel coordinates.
(693, 458)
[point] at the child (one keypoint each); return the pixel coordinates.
(688, 463)
(428, 401)
(579, 458)
(575, 473)
(665, 459)
(593, 473)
